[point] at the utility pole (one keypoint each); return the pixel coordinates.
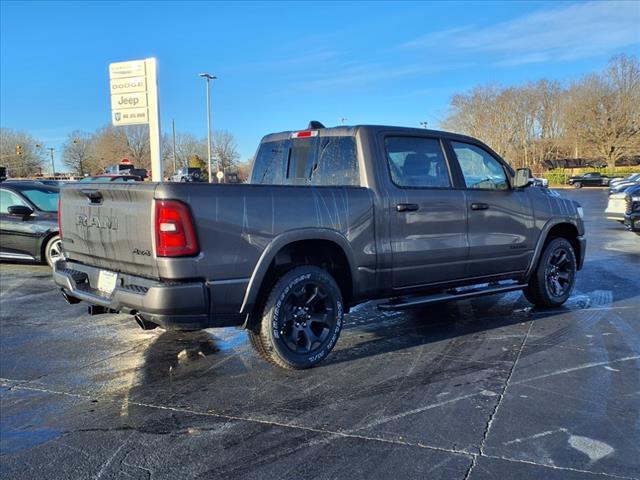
(53, 167)
(208, 79)
(173, 124)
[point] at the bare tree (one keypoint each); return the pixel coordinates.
(78, 151)
(597, 117)
(225, 148)
(603, 112)
(19, 152)
(137, 141)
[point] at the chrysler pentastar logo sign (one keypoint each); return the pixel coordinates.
(94, 221)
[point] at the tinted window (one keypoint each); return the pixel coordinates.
(479, 168)
(337, 163)
(45, 199)
(9, 199)
(315, 161)
(271, 163)
(417, 162)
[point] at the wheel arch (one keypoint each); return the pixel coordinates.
(290, 249)
(555, 228)
(43, 244)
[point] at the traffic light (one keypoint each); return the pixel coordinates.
(18, 149)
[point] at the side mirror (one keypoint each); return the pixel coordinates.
(20, 211)
(522, 178)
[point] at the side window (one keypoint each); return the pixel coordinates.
(337, 163)
(271, 163)
(417, 162)
(9, 199)
(479, 168)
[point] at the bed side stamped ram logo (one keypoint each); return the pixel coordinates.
(94, 221)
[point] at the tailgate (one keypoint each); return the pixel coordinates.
(110, 226)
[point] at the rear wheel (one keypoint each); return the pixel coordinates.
(554, 278)
(53, 250)
(301, 320)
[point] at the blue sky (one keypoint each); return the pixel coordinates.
(283, 64)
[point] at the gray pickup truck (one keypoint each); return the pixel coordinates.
(332, 217)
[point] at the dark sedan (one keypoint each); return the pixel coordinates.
(591, 179)
(29, 222)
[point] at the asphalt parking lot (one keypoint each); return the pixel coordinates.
(475, 389)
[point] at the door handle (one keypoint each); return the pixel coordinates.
(479, 206)
(407, 207)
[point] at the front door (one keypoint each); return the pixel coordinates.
(428, 217)
(500, 218)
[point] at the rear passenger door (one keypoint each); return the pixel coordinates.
(428, 216)
(500, 217)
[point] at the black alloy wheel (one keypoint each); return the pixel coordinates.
(301, 319)
(552, 282)
(559, 272)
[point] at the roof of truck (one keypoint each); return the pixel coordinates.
(351, 130)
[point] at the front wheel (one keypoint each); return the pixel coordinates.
(577, 185)
(553, 280)
(301, 320)
(53, 250)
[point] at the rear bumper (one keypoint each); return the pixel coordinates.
(171, 305)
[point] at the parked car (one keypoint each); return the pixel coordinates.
(112, 178)
(616, 180)
(332, 217)
(539, 182)
(29, 222)
(620, 203)
(632, 212)
(620, 185)
(187, 174)
(591, 179)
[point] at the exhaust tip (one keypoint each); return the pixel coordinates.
(68, 298)
(143, 323)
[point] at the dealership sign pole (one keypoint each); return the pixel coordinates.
(134, 101)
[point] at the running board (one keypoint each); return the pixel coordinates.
(410, 302)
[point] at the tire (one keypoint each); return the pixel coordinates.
(554, 278)
(301, 320)
(53, 250)
(577, 185)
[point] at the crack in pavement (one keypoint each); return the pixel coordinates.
(499, 402)
(471, 455)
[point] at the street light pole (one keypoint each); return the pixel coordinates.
(208, 78)
(53, 167)
(173, 124)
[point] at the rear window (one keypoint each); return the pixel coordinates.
(309, 161)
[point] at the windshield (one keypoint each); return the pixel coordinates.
(45, 200)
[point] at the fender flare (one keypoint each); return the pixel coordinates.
(544, 233)
(281, 241)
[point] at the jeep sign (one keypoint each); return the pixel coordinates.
(133, 87)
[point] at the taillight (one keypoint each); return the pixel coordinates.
(59, 216)
(175, 235)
